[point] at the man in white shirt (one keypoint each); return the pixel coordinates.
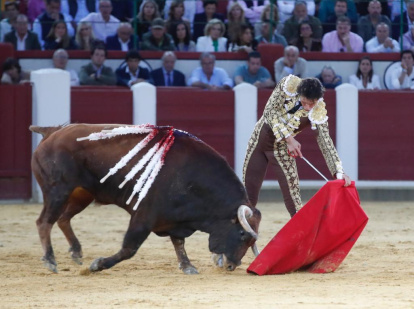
(382, 43)
(403, 77)
(103, 23)
(290, 63)
(79, 9)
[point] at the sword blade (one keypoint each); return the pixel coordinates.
(310, 164)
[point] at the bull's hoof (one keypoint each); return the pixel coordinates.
(95, 265)
(218, 259)
(51, 265)
(76, 256)
(77, 260)
(189, 270)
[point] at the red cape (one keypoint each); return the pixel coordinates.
(318, 237)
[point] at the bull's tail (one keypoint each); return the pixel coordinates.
(45, 131)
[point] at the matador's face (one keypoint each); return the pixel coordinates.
(307, 104)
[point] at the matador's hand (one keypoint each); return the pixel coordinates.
(293, 146)
(347, 180)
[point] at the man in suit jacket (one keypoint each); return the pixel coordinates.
(123, 39)
(166, 75)
(130, 73)
(96, 73)
(201, 19)
(21, 37)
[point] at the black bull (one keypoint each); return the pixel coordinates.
(195, 190)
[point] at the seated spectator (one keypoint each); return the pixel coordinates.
(85, 39)
(60, 61)
(328, 78)
(254, 73)
(286, 9)
(103, 23)
(268, 34)
(148, 11)
(201, 19)
(290, 63)
(35, 8)
(403, 77)
(11, 10)
(291, 30)
(362, 7)
(96, 73)
(12, 72)
(327, 8)
(365, 77)
(270, 13)
(208, 76)
(340, 9)
(182, 37)
(123, 39)
(235, 18)
(408, 39)
(407, 17)
(213, 40)
(160, 6)
(342, 39)
(175, 15)
(79, 9)
(157, 38)
(43, 23)
(189, 10)
(21, 37)
(58, 37)
(122, 9)
(367, 24)
(167, 75)
(130, 73)
(244, 42)
(305, 41)
(382, 43)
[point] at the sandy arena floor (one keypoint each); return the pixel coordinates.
(378, 272)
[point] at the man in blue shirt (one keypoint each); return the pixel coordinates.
(254, 73)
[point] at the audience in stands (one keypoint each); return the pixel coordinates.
(21, 37)
(175, 15)
(253, 72)
(79, 9)
(129, 72)
(60, 61)
(189, 9)
(327, 8)
(11, 10)
(43, 23)
(235, 18)
(286, 9)
(408, 39)
(207, 76)
(12, 72)
(103, 23)
(182, 37)
(123, 9)
(201, 19)
(305, 41)
(96, 73)
(35, 8)
(147, 13)
(244, 41)
(291, 29)
(340, 9)
(160, 6)
(157, 38)
(268, 34)
(290, 63)
(213, 40)
(254, 9)
(403, 77)
(408, 19)
(85, 39)
(167, 75)
(123, 39)
(342, 39)
(382, 42)
(269, 13)
(362, 7)
(58, 37)
(365, 77)
(328, 78)
(367, 24)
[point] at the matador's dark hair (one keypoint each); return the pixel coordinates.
(311, 88)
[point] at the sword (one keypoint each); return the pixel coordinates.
(310, 164)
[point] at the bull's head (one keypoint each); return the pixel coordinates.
(231, 240)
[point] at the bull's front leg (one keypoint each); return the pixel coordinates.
(183, 262)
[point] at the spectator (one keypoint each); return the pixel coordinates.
(286, 8)
(328, 78)
(189, 9)
(342, 39)
(130, 73)
(122, 9)
(382, 43)
(365, 77)
(213, 40)
(327, 8)
(305, 41)
(182, 37)
(79, 9)
(408, 19)
(367, 24)
(103, 23)
(175, 15)
(408, 39)
(403, 77)
(160, 6)
(12, 72)
(44, 22)
(340, 9)
(208, 76)
(244, 42)
(254, 73)
(235, 18)
(11, 10)
(267, 35)
(85, 39)
(166, 75)
(58, 37)
(21, 37)
(96, 73)
(253, 10)
(147, 13)
(35, 8)
(60, 61)
(156, 38)
(362, 7)
(290, 63)
(291, 30)
(123, 39)
(201, 19)
(270, 13)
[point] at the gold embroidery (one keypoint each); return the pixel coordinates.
(291, 84)
(318, 114)
(328, 149)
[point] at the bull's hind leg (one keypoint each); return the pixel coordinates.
(183, 262)
(78, 201)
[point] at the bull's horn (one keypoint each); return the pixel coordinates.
(241, 214)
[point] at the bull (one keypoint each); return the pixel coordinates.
(195, 189)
